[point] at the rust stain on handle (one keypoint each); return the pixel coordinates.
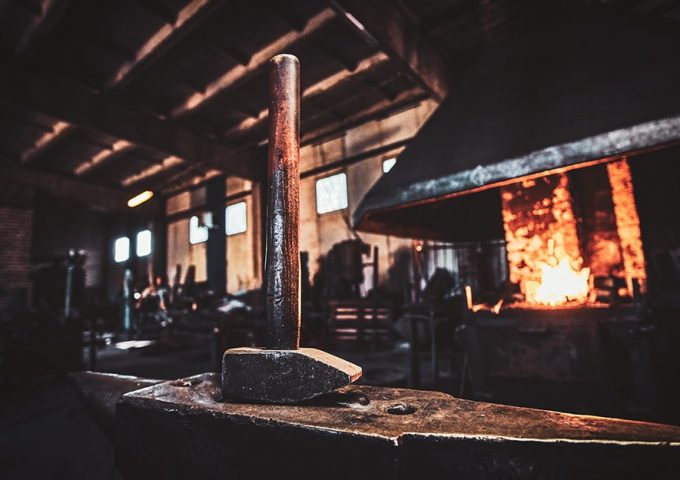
(283, 205)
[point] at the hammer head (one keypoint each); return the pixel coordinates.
(283, 376)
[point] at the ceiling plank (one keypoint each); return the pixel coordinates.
(162, 40)
(76, 105)
(257, 62)
(166, 164)
(96, 196)
(312, 92)
(395, 33)
(51, 11)
(408, 97)
(59, 131)
(103, 157)
(152, 49)
(183, 180)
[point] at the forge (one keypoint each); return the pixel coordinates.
(574, 239)
(543, 185)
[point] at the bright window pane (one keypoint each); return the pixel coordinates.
(197, 233)
(235, 218)
(388, 164)
(144, 243)
(121, 249)
(331, 193)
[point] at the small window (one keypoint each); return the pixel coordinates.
(235, 220)
(144, 243)
(331, 193)
(388, 163)
(198, 233)
(121, 249)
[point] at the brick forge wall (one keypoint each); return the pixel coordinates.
(16, 226)
(627, 221)
(597, 224)
(591, 214)
(536, 211)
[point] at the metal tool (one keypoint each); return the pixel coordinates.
(283, 372)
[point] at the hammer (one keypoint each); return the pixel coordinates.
(282, 372)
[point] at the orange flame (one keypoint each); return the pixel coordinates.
(560, 281)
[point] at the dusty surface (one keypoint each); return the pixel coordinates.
(363, 410)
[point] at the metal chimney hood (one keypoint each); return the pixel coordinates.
(582, 92)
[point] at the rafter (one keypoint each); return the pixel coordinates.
(96, 196)
(166, 164)
(154, 46)
(104, 156)
(158, 43)
(337, 80)
(257, 62)
(73, 104)
(408, 97)
(50, 11)
(395, 33)
(189, 17)
(186, 180)
(59, 131)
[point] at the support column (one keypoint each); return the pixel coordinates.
(216, 193)
(159, 231)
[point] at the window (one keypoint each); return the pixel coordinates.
(235, 219)
(121, 249)
(388, 163)
(331, 193)
(144, 243)
(198, 233)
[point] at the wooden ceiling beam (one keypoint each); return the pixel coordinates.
(75, 105)
(380, 23)
(337, 80)
(60, 130)
(97, 196)
(46, 18)
(166, 164)
(162, 40)
(382, 108)
(186, 178)
(257, 62)
(158, 43)
(103, 157)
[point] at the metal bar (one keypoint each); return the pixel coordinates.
(283, 219)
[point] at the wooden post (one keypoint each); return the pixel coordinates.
(283, 216)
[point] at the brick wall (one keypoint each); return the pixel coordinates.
(535, 212)
(15, 255)
(599, 237)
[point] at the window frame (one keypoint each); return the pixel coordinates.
(316, 192)
(116, 259)
(245, 218)
(199, 228)
(393, 161)
(138, 243)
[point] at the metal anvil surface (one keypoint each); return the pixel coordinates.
(182, 429)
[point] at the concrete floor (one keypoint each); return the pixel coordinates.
(46, 432)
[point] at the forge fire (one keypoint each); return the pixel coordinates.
(574, 238)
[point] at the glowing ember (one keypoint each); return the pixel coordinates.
(560, 282)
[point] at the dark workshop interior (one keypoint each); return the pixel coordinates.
(464, 212)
